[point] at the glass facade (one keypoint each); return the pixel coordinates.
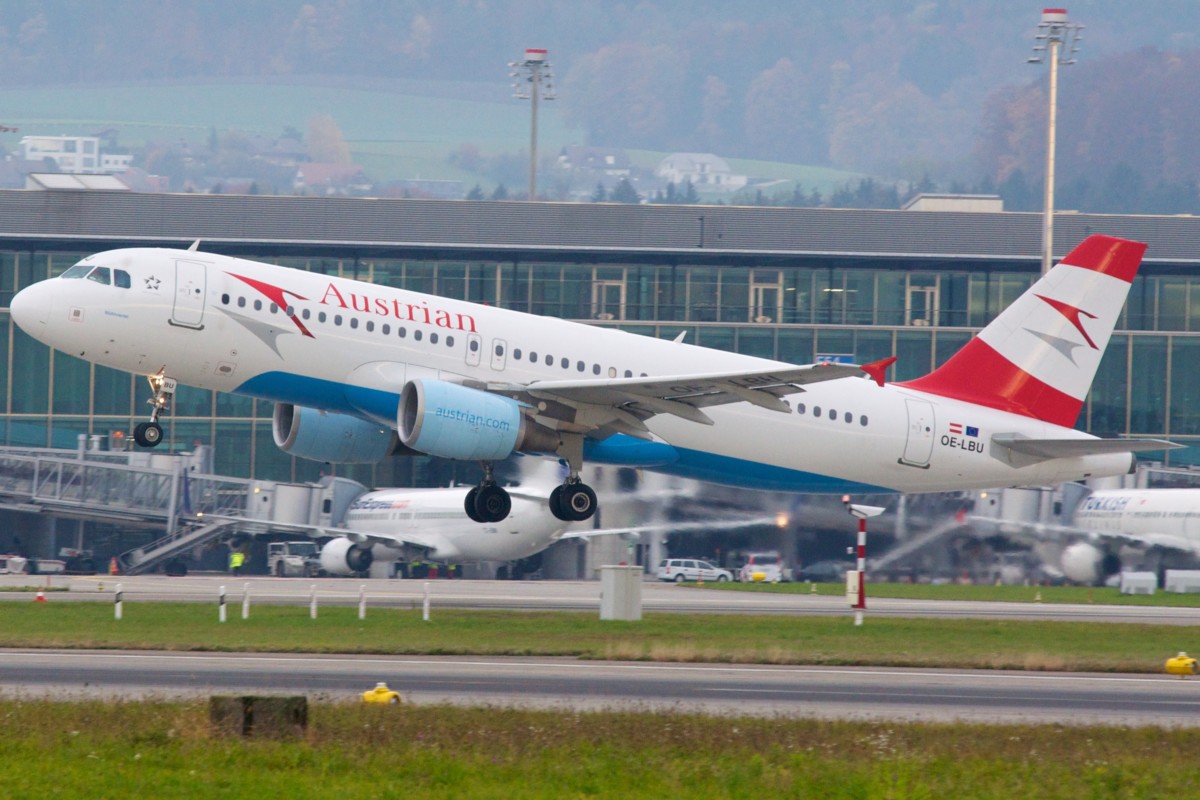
(797, 312)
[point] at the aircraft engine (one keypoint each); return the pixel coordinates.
(343, 557)
(336, 438)
(452, 421)
(1085, 563)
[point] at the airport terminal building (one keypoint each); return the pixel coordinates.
(798, 285)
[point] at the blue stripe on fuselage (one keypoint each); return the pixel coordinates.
(380, 406)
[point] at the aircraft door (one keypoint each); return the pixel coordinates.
(918, 446)
(499, 353)
(190, 290)
(474, 349)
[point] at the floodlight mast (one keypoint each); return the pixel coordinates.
(532, 80)
(1062, 39)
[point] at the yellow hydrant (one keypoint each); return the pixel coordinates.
(381, 694)
(1181, 665)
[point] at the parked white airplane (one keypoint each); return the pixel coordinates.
(428, 524)
(1160, 524)
(350, 364)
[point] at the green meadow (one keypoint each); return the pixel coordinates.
(770, 639)
(100, 749)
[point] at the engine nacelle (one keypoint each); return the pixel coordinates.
(452, 421)
(1085, 563)
(336, 438)
(343, 557)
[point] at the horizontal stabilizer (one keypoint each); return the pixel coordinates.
(1046, 449)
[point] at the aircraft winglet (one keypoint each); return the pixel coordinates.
(877, 369)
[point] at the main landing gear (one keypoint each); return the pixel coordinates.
(149, 434)
(487, 502)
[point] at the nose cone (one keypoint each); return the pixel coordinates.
(30, 308)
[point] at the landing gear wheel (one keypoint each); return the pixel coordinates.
(556, 507)
(469, 505)
(492, 504)
(148, 434)
(578, 501)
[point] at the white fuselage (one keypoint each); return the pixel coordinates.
(1144, 513)
(432, 520)
(222, 323)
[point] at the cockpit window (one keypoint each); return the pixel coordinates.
(101, 275)
(77, 271)
(121, 279)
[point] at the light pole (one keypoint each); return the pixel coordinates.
(532, 79)
(1062, 39)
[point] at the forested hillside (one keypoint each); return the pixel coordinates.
(904, 89)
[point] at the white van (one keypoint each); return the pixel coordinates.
(690, 569)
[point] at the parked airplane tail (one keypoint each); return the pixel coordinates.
(1039, 356)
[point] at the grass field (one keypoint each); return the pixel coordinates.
(991, 644)
(122, 749)
(977, 593)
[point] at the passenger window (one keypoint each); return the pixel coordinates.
(566, 363)
(449, 341)
(433, 338)
(321, 317)
(354, 323)
(306, 313)
(386, 329)
(532, 357)
(337, 319)
(549, 361)
(579, 366)
(121, 279)
(595, 369)
(800, 407)
(100, 275)
(241, 302)
(401, 332)
(517, 352)
(417, 336)
(224, 299)
(258, 305)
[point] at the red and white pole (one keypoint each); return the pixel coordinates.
(861, 513)
(861, 566)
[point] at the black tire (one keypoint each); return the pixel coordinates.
(578, 502)
(679, 578)
(469, 505)
(721, 579)
(492, 504)
(148, 434)
(556, 504)
(279, 569)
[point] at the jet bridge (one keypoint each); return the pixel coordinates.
(174, 493)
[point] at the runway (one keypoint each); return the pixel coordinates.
(564, 596)
(853, 693)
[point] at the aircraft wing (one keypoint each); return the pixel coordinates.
(1046, 449)
(673, 527)
(624, 404)
(1045, 532)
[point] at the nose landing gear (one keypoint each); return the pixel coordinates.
(149, 434)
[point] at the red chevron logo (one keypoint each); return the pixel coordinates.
(1073, 316)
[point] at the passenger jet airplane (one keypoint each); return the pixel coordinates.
(1164, 523)
(359, 372)
(428, 524)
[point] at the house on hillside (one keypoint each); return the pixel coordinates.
(330, 179)
(705, 171)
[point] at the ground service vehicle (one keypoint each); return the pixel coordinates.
(690, 569)
(293, 559)
(762, 567)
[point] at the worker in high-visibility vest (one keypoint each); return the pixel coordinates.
(236, 559)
